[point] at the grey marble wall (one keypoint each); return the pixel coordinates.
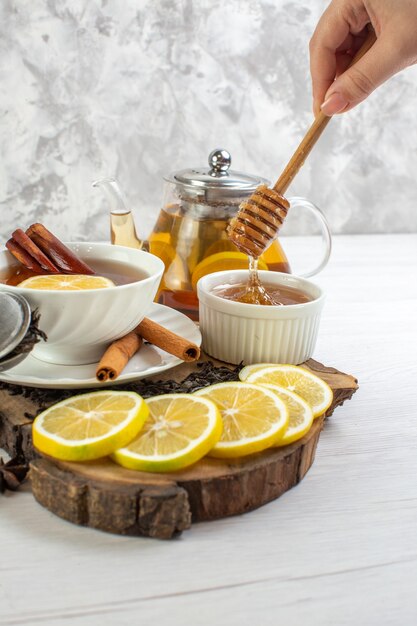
(136, 88)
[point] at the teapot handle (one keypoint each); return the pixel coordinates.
(299, 202)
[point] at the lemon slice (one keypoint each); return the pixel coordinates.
(222, 245)
(310, 387)
(253, 417)
(250, 369)
(180, 430)
(66, 282)
(300, 415)
(161, 236)
(89, 426)
(162, 249)
(222, 261)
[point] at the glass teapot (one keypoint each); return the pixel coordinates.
(190, 232)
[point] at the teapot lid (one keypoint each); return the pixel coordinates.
(217, 178)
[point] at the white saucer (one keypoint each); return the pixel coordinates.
(147, 362)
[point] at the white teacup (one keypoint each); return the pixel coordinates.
(81, 324)
(236, 332)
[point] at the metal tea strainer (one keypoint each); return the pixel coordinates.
(15, 318)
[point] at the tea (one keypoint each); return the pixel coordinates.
(184, 236)
(120, 273)
(117, 271)
(122, 230)
(277, 295)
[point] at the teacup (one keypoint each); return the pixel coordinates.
(81, 324)
(237, 332)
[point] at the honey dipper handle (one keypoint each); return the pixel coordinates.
(314, 132)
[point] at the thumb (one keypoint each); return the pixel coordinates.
(360, 80)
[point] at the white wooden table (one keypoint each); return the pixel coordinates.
(340, 548)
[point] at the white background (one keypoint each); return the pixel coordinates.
(138, 88)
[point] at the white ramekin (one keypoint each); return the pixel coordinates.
(235, 332)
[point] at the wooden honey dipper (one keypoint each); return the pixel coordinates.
(260, 217)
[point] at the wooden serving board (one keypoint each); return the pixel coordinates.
(103, 495)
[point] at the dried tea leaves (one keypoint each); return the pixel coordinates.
(12, 474)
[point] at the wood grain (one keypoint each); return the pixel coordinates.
(103, 495)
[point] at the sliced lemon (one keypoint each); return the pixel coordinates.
(222, 261)
(310, 387)
(300, 415)
(222, 245)
(66, 282)
(161, 236)
(89, 426)
(250, 369)
(253, 417)
(180, 430)
(163, 250)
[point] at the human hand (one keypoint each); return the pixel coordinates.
(340, 33)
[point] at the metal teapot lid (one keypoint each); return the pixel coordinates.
(217, 179)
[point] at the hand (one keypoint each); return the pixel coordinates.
(340, 33)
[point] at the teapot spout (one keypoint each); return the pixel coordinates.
(122, 224)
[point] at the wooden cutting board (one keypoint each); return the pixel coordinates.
(103, 495)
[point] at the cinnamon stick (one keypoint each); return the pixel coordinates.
(65, 260)
(167, 340)
(21, 238)
(23, 257)
(117, 355)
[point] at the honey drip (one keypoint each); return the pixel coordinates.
(275, 294)
(255, 292)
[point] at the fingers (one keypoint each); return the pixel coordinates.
(335, 34)
(331, 32)
(357, 82)
(339, 34)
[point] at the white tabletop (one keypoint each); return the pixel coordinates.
(338, 549)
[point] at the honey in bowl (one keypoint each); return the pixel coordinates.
(255, 291)
(276, 295)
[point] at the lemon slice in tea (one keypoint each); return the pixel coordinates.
(180, 430)
(66, 282)
(254, 417)
(89, 426)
